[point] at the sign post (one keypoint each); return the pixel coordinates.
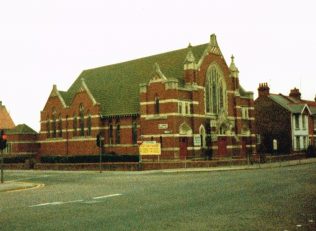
(149, 148)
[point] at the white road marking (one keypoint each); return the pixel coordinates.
(56, 203)
(91, 202)
(77, 201)
(107, 196)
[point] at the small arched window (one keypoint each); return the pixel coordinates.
(134, 130)
(67, 122)
(54, 125)
(89, 124)
(110, 132)
(81, 119)
(203, 136)
(48, 127)
(118, 132)
(60, 126)
(75, 124)
(157, 105)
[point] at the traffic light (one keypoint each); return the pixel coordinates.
(3, 140)
(98, 141)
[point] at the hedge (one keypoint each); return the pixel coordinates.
(89, 158)
(17, 159)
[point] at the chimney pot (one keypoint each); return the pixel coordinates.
(295, 93)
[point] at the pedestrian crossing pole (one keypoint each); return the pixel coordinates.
(3, 145)
(100, 157)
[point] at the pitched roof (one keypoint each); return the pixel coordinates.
(293, 105)
(116, 87)
(21, 129)
(6, 121)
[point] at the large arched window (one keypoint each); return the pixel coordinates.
(221, 95)
(81, 119)
(215, 90)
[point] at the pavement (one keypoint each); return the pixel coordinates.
(238, 167)
(9, 186)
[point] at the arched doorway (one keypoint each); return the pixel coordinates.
(184, 131)
(222, 146)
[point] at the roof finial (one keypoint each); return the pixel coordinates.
(156, 67)
(213, 46)
(213, 40)
(234, 70)
(190, 56)
(158, 73)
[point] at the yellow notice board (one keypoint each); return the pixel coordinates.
(146, 149)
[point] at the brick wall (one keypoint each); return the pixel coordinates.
(273, 122)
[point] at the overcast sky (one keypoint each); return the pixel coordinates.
(46, 42)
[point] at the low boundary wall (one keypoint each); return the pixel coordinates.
(135, 166)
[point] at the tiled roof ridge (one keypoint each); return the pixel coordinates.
(147, 57)
(104, 81)
(298, 101)
(21, 129)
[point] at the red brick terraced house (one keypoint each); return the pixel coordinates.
(288, 119)
(188, 100)
(6, 121)
(21, 139)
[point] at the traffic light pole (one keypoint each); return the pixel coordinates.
(100, 157)
(1, 166)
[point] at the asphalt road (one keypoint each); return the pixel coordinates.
(262, 199)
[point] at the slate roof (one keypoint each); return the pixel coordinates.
(22, 129)
(116, 86)
(292, 104)
(6, 121)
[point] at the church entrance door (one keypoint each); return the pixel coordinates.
(222, 146)
(183, 147)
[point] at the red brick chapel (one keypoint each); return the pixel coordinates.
(188, 100)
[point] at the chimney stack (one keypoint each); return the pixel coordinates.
(295, 93)
(263, 89)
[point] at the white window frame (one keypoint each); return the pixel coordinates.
(244, 113)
